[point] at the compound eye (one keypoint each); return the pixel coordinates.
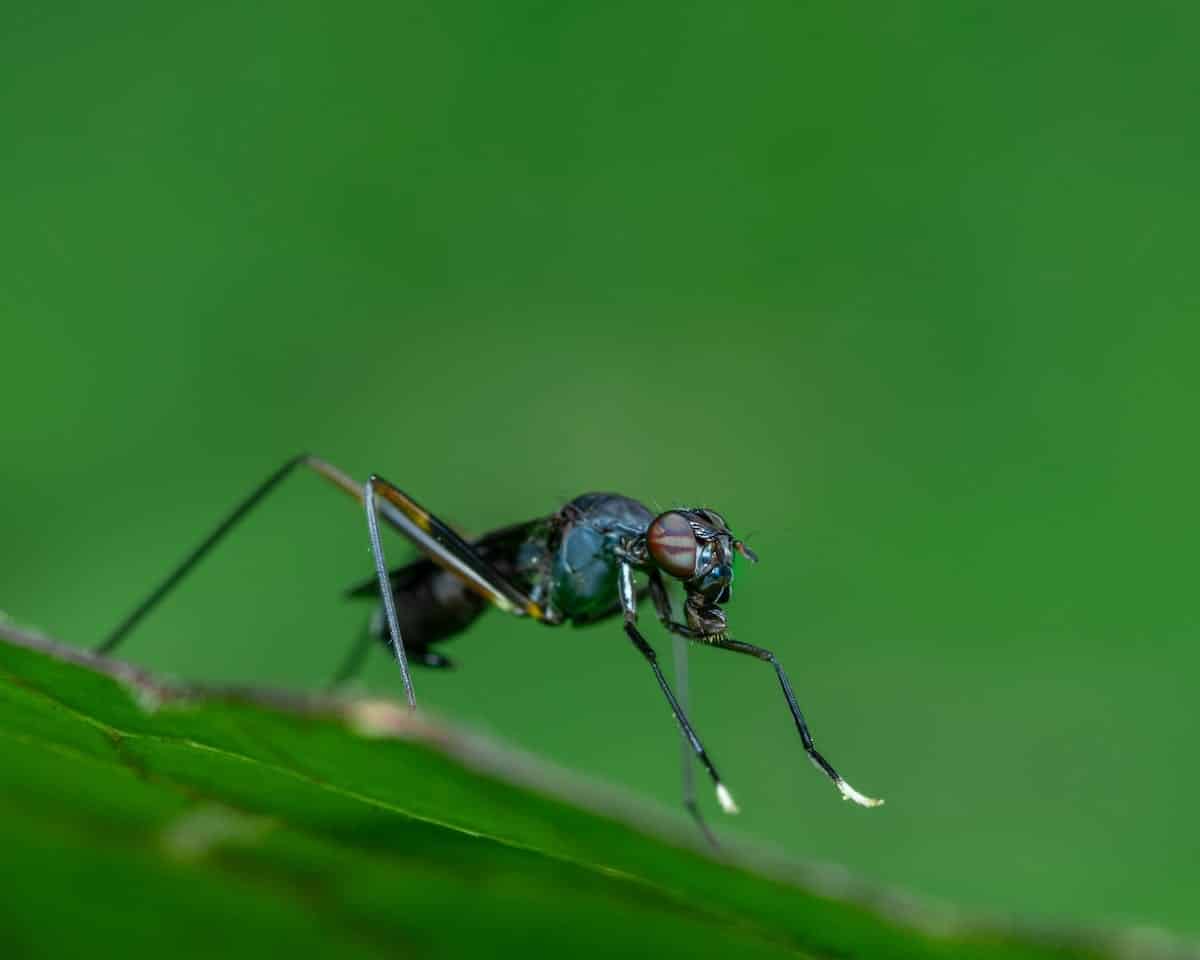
(673, 545)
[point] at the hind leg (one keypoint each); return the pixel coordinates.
(383, 501)
(375, 632)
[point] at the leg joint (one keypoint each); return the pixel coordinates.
(640, 642)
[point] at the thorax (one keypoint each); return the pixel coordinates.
(572, 562)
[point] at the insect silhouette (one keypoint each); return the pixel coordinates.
(576, 566)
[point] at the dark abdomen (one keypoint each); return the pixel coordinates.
(433, 605)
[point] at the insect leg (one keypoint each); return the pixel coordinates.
(113, 640)
(507, 596)
(687, 779)
(356, 656)
(385, 585)
(629, 606)
(847, 791)
(172, 580)
(662, 606)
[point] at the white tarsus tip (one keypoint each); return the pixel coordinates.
(725, 799)
(849, 793)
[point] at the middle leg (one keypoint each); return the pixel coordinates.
(682, 634)
(687, 779)
(629, 606)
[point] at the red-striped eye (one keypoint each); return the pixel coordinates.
(673, 545)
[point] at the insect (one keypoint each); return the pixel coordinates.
(596, 558)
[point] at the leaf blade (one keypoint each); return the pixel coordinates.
(351, 826)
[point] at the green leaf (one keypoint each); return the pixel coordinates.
(141, 815)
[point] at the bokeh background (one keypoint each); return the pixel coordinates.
(909, 293)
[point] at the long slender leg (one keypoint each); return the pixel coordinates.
(356, 656)
(385, 584)
(113, 640)
(327, 470)
(687, 779)
(662, 606)
(629, 606)
(685, 726)
(456, 556)
(847, 791)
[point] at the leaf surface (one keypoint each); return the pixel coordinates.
(155, 817)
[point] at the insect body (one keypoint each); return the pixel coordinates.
(596, 558)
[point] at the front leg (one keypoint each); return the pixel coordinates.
(662, 606)
(847, 791)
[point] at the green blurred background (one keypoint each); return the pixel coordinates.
(907, 292)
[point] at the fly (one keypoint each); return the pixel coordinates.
(576, 566)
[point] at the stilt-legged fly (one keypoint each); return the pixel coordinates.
(579, 565)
